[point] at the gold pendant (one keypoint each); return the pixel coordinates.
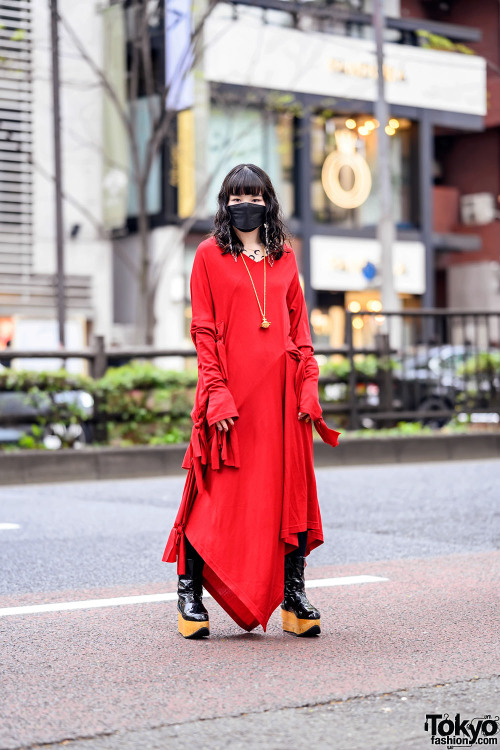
(265, 323)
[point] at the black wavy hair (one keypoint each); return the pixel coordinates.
(252, 180)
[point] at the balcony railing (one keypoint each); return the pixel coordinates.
(351, 20)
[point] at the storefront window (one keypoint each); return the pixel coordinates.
(345, 187)
(239, 134)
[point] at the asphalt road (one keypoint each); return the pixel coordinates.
(424, 640)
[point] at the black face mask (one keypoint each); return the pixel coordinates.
(247, 216)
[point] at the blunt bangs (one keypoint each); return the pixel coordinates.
(245, 181)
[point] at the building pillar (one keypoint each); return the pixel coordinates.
(426, 195)
(303, 197)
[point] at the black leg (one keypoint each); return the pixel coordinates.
(190, 550)
(302, 539)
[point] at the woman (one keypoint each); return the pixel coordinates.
(249, 514)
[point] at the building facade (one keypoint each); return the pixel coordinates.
(28, 283)
(303, 107)
(466, 192)
(293, 93)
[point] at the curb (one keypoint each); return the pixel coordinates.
(39, 466)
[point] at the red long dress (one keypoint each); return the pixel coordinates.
(249, 490)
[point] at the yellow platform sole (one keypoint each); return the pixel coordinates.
(193, 628)
(293, 624)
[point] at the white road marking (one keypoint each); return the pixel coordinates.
(316, 583)
(5, 526)
(149, 598)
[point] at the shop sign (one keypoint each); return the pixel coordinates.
(353, 264)
(332, 65)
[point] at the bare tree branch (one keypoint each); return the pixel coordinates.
(83, 210)
(98, 72)
(161, 117)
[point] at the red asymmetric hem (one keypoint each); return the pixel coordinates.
(250, 490)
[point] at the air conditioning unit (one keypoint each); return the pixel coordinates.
(478, 208)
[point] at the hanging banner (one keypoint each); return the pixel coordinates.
(115, 138)
(178, 54)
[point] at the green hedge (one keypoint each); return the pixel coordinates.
(140, 403)
(137, 403)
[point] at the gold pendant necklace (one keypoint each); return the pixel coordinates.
(265, 323)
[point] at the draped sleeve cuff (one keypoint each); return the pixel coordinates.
(221, 448)
(309, 401)
(307, 383)
(326, 433)
(220, 405)
(306, 389)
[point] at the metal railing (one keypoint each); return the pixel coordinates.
(431, 364)
(98, 357)
(426, 365)
(349, 18)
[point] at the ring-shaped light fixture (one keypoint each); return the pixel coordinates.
(330, 177)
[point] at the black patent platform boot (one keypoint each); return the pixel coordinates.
(298, 614)
(192, 615)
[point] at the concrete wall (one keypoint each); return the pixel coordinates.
(167, 250)
(474, 286)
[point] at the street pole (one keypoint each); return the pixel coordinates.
(57, 171)
(385, 230)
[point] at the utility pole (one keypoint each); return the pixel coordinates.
(385, 231)
(58, 171)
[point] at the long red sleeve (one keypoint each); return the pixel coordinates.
(301, 336)
(204, 334)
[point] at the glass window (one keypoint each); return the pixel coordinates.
(345, 189)
(143, 110)
(256, 15)
(243, 134)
